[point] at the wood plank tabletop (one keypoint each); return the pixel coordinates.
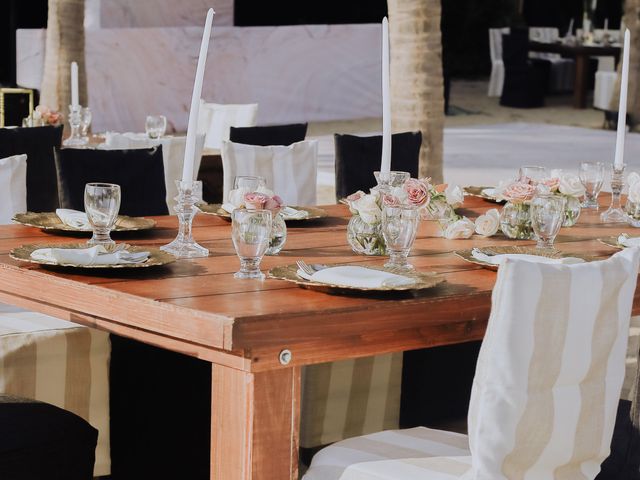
(197, 307)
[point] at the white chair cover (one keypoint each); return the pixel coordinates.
(289, 171)
(172, 155)
(13, 180)
(216, 120)
(496, 82)
(546, 388)
(58, 362)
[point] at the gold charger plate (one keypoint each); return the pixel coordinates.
(216, 209)
(613, 242)
(51, 221)
(474, 191)
(514, 250)
(156, 258)
(424, 280)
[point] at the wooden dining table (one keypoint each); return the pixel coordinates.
(259, 334)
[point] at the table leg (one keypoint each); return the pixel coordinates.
(581, 81)
(254, 424)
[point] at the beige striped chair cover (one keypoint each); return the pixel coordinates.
(546, 388)
(61, 363)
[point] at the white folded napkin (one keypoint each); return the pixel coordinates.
(489, 192)
(627, 241)
(97, 255)
(290, 213)
(228, 207)
(358, 277)
(74, 218)
(498, 259)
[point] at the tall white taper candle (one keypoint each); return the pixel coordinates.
(622, 109)
(385, 166)
(192, 127)
(75, 101)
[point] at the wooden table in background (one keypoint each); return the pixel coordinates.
(196, 307)
(581, 53)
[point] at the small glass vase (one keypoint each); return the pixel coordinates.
(515, 221)
(278, 235)
(632, 209)
(572, 211)
(364, 238)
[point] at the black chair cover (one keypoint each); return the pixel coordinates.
(525, 81)
(358, 157)
(39, 441)
(139, 172)
(38, 144)
(270, 135)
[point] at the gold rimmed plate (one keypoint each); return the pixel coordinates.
(51, 221)
(482, 192)
(217, 210)
(613, 241)
(423, 280)
(156, 258)
(514, 250)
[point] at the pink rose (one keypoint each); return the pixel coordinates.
(54, 118)
(355, 196)
(273, 204)
(255, 200)
(417, 192)
(390, 200)
(519, 192)
(553, 183)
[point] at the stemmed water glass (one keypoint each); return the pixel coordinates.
(547, 215)
(592, 178)
(251, 233)
(532, 174)
(155, 126)
(102, 204)
(399, 228)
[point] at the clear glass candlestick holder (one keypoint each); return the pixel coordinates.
(184, 246)
(615, 214)
(387, 181)
(75, 123)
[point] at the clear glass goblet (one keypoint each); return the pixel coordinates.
(102, 204)
(533, 174)
(85, 122)
(249, 183)
(155, 126)
(547, 215)
(251, 233)
(399, 229)
(592, 178)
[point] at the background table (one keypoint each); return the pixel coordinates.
(196, 307)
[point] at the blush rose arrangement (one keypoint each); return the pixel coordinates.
(632, 207)
(43, 115)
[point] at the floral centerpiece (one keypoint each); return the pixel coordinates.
(515, 221)
(632, 207)
(569, 187)
(42, 116)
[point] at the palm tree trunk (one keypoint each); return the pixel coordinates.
(64, 44)
(417, 87)
(632, 21)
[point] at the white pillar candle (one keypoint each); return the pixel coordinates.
(594, 5)
(192, 127)
(570, 30)
(75, 101)
(385, 166)
(606, 25)
(622, 109)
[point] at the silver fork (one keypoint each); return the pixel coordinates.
(305, 268)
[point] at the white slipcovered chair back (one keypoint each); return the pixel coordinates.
(216, 120)
(290, 171)
(13, 185)
(496, 81)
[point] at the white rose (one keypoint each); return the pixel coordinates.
(634, 193)
(632, 179)
(571, 185)
(236, 197)
(488, 224)
(368, 209)
(454, 195)
(459, 229)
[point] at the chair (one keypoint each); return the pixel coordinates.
(544, 395)
(38, 144)
(496, 81)
(290, 171)
(172, 155)
(61, 363)
(270, 135)
(561, 70)
(13, 179)
(140, 174)
(216, 120)
(525, 80)
(358, 157)
(42, 441)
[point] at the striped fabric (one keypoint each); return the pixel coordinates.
(349, 398)
(545, 392)
(61, 363)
